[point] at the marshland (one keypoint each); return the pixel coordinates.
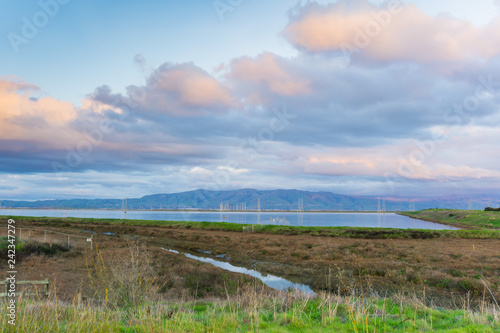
(364, 279)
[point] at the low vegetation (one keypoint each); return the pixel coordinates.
(253, 311)
(467, 219)
(26, 248)
(367, 280)
(130, 294)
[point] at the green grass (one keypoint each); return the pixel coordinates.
(124, 301)
(347, 232)
(31, 247)
(4, 244)
(472, 219)
(252, 311)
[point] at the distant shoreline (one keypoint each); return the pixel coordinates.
(211, 210)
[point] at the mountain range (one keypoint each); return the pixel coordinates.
(249, 199)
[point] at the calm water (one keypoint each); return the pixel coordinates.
(372, 220)
(272, 281)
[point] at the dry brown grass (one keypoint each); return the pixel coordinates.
(443, 268)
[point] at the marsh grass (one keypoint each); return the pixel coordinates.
(251, 310)
(471, 219)
(124, 281)
(134, 305)
(127, 297)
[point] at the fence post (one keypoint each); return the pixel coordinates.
(20, 233)
(68, 241)
(45, 236)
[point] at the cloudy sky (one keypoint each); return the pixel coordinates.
(124, 99)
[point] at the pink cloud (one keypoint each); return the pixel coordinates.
(194, 87)
(390, 33)
(26, 119)
(182, 90)
(271, 73)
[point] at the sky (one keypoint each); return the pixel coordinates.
(124, 99)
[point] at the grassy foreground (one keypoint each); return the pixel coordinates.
(470, 219)
(128, 287)
(252, 311)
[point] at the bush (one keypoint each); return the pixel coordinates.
(124, 282)
(43, 248)
(490, 209)
(24, 248)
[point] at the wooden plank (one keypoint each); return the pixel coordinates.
(45, 283)
(26, 294)
(26, 282)
(32, 282)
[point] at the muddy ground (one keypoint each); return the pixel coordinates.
(441, 271)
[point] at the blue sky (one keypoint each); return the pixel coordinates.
(95, 42)
(270, 77)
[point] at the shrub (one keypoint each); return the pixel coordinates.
(124, 282)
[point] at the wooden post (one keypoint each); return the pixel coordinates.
(45, 236)
(47, 287)
(68, 241)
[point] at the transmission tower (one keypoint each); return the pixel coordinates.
(124, 205)
(300, 206)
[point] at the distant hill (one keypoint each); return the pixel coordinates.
(249, 198)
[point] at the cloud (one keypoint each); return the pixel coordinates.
(348, 126)
(389, 32)
(37, 133)
(267, 74)
(181, 90)
(43, 121)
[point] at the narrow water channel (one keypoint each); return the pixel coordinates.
(272, 281)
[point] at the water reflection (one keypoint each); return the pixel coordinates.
(272, 281)
(370, 220)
